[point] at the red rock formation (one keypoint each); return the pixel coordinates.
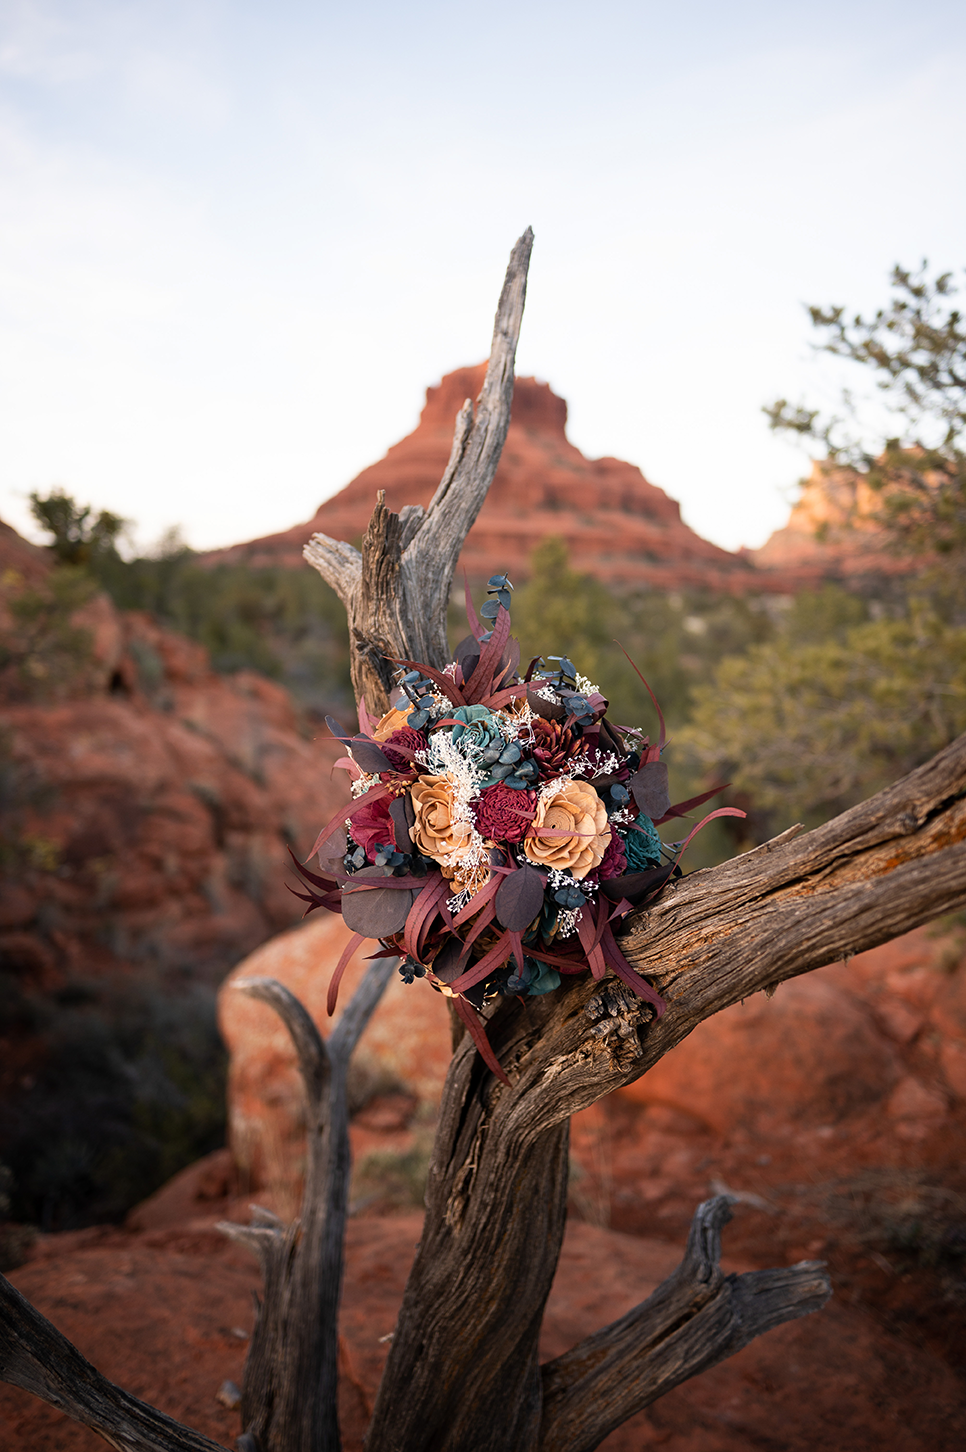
(408, 1038)
(829, 535)
(147, 812)
(616, 524)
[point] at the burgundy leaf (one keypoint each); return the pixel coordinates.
(339, 732)
(490, 658)
(334, 849)
(447, 687)
(549, 710)
(519, 899)
(679, 808)
(369, 756)
(648, 786)
(509, 661)
(653, 752)
(635, 886)
(627, 974)
(403, 820)
(340, 967)
(446, 965)
(478, 1035)
(719, 812)
(610, 740)
(375, 913)
(374, 794)
(472, 618)
(467, 655)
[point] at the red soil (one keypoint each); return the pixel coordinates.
(836, 1111)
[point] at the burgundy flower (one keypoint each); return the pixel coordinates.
(502, 814)
(558, 750)
(614, 861)
(408, 738)
(371, 825)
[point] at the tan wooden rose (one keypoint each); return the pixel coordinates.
(439, 831)
(392, 721)
(569, 829)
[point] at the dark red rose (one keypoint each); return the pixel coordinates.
(502, 814)
(408, 738)
(371, 825)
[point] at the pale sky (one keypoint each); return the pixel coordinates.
(238, 239)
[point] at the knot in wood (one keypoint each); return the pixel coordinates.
(617, 1015)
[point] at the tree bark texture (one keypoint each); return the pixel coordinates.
(35, 1356)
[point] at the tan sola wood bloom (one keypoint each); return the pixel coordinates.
(569, 830)
(440, 831)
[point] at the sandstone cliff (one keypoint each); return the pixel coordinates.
(147, 808)
(617, 525)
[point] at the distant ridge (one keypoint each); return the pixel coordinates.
(616, 524)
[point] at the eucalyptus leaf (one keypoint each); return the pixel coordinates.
(403, 820)
(369, 756)
(519, 899)
(375, 912)
(649, 789)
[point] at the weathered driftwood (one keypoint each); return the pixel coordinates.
(696, 1318)
(290, 1393)
(463, 1370)
(396, 591)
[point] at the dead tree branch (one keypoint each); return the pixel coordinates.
(396, 591)
(290, 1392)
(35, 1356)
(698, 1317)
(463, 1373)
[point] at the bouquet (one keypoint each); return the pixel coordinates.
(500, 826)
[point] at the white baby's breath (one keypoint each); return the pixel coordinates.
(566, 923)
(551, 788)
(362, 784)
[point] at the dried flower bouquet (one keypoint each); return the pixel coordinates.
(500, 827)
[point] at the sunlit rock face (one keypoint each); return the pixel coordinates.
(406, 1049)
(616, 524)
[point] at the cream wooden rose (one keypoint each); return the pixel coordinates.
(439, 831)
(569, 830)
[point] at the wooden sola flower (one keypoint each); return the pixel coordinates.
(500, 827)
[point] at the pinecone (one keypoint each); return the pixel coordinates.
(558, 750)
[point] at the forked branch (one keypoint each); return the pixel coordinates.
(290, 1391)
(698, 1317)
(495, 1217)
(396, 591)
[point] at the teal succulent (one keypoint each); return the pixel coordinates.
(476, 730)
(643, 848)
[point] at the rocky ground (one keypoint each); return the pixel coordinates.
(834, 1112)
